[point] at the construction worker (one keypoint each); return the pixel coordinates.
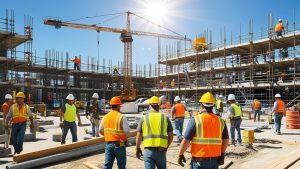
(156, 131)
(235, 116)
(279, 28)
(76, 61)
(173, 83)
(279, 111)
(161, 84)
(115, 69)
(178, 113)
(256, 107)
(219, 106)
(114, 127)
(5, 109)
(93, 109)
(208, 136)
(68, 119)
(18, 114)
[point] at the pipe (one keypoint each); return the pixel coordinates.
(61, 156)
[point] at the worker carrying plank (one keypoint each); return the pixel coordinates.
(18, 114)
(178, 113)
(5, 109)
(208, 135)
(68, 119)
(156, 131)
(278, 110)
(235, 115)
(93, 109)
(114, 127)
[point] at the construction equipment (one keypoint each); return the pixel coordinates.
(128, 93)
(200, 44)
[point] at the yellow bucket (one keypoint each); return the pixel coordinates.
(248, 136)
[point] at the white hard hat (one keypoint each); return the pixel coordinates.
(8, 96)
(220, 96)
(279, 20)
(277, 95)
(177, 98)
(95, 96)
(231, 97)
(70, 97)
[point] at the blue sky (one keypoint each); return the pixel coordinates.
(187, 17)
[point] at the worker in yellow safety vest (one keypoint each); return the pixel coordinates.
(114, 127)
(279, 28)
(178, 113)
(173, 83)
(219, 106)
(68, 119)
(235, 115)
(156, 131)
(18, 115)
(207, 135)
(115, 70)
(279, 112)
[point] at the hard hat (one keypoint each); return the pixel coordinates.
(95, 96)
(70, 97)
(115, 101)
(173, 79)
(220, 96)
(207, 99)
(154, 100)
(279, 20)
(231, 97)
(177, 98)
(8, 96)
(20, 94)
(277, 95)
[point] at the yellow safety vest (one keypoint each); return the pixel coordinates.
(70, 113)
(219, 104)
(237, 110)
(155, 130)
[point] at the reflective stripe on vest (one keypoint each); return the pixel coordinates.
(280, 106)
(237, 109)
(219, 104)
(70, 113)
(113, 130)
(19, 115)
(207, 140)
(155, 130)
(278, 27)
(179, 110)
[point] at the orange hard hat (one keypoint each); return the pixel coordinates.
(115, 101)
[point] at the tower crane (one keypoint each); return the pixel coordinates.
(128, 92)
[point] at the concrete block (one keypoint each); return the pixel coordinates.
(29, 137)
(56, 137)
(5, 152)
(46, 122)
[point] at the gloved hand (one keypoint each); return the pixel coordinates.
(138, 153)
(181, 160)
(61, 124)
(221, 159)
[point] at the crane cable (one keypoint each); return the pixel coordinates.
(98, 50)
(96, 16)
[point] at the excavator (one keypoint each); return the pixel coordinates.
(128, 93)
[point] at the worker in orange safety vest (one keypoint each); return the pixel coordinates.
(178, 113)
(76, 61)
(256, 107)
(279, 112)
(279, 28)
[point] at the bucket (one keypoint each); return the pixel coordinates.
(248, 136)
(292, 120)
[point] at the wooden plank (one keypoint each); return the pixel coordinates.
(296, 165)
(283, 161)
(89, 165)
(60, 149)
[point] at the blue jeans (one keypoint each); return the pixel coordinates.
(179, 127)
(154, 158)
(235, 125)
(257, 113)
(95, 128)
(111, 152)
(17, 134)
(278, 117)
(66, 126)
(205, 164)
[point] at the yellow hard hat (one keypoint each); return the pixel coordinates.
(154, 100)
(207, 99)
(20, 94)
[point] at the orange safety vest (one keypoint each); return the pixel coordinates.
(207, 140)
(113, 130)
(179, 110)
(161, 85)
(5, 109)
(280, 106)
(278, 27)
(256, 104)
(21, 115)
(77, 60)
